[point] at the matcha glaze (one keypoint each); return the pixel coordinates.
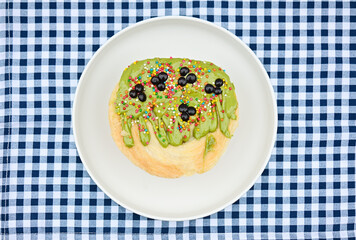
(179, 97)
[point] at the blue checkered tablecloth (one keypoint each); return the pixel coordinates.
(307, 190)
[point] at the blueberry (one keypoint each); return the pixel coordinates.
(133, 93)
(161, 86)
(183, 107)
(184, 71)
(184, 116)
(139, 87)
(191, 111)
(182, 81)
(191, 78)
(155, 80)
(162, 76)
(142, 97)
(217, 91)
(219, 82)
(209, 88)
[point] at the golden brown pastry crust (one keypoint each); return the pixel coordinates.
(171, 162)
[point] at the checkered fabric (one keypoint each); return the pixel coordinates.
(308, 188)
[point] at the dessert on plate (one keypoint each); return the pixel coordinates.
(173, 117)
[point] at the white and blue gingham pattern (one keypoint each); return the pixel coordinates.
(308, 188)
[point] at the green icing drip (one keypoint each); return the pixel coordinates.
(160, 132)
(209, 144)
(224, 120)
(230, 103)
(213, 122)
(175, 138)
(209, 124)
(143, 132)
(128, 139)
(158, 105)
(185, 133)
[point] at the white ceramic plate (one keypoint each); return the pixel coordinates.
(187, 197)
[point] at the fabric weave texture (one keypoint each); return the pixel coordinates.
(307, 190)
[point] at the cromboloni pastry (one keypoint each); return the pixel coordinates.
(173, 117)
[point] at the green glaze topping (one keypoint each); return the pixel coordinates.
(179, 98)
(209, 144)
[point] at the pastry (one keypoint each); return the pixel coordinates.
(173, 117)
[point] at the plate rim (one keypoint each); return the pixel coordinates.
(266, 78)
